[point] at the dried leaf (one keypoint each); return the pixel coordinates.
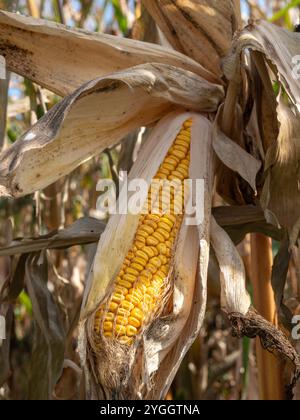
(237, 215)
(279, 275)
(234, 296)
(265, 103)
(96, 116)
(238, 221)
(280, 47)
(62, 59)
(281, 193)
(49, 340)
(84, 231)
(238, 232)
(234, 157)
(15, 284)
(201, 29)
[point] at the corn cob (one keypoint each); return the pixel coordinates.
(142, 282)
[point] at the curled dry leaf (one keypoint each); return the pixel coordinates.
(62, 59)
(281, 193)
(234, 296)
(234, 156)
(84, 231)
(277, 49)
(49, 338)
(281, 47)
(279, 277)
(147, 368)
(201, 29)
(96, 116)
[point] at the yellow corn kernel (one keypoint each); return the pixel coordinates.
(155, 252)
(107, 326)
(117, 297)
(164, 233)
(155, 261)
(132, 271)
(113, 306)
(125, 304)
(123, 312)
(124, 283)
(139, 244)
(163, 259)
(137, 293)
(162, 249)
(120, 329)
(131, 330)
(138, 314)
(121, 320)
(142, 254)
(134, 322)
(158, 236)
(109, 316)
(125, 340)
(145, 275)
(133, 299)
(137, 266)
(139, 260)
(152, 241)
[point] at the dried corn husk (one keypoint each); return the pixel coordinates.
(275, 52)
(62, 59)
(152, 362)
(202, 29)
(281, 193)
(278, 45)
(234, 296)
(96, 116)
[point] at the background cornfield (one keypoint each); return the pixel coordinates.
(47, 244)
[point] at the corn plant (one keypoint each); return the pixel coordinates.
(219, 100)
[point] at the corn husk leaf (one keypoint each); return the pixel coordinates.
(96, 116)
(62, 59)
(274, 52)
(168, 352)
(234, 156)
(201, 29)
(234, 296)
(157, 356)
(278, 45)
(281, 190)
(85, 230)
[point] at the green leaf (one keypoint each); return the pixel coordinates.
(121, 18)
(284, 11)
(25, 301)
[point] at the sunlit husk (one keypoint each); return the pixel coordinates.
(146, 369)
(278, 45)
(201, 29)
(275, 52)
(234, 296)
(281, 190)
(61, 58)
(96, 116)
